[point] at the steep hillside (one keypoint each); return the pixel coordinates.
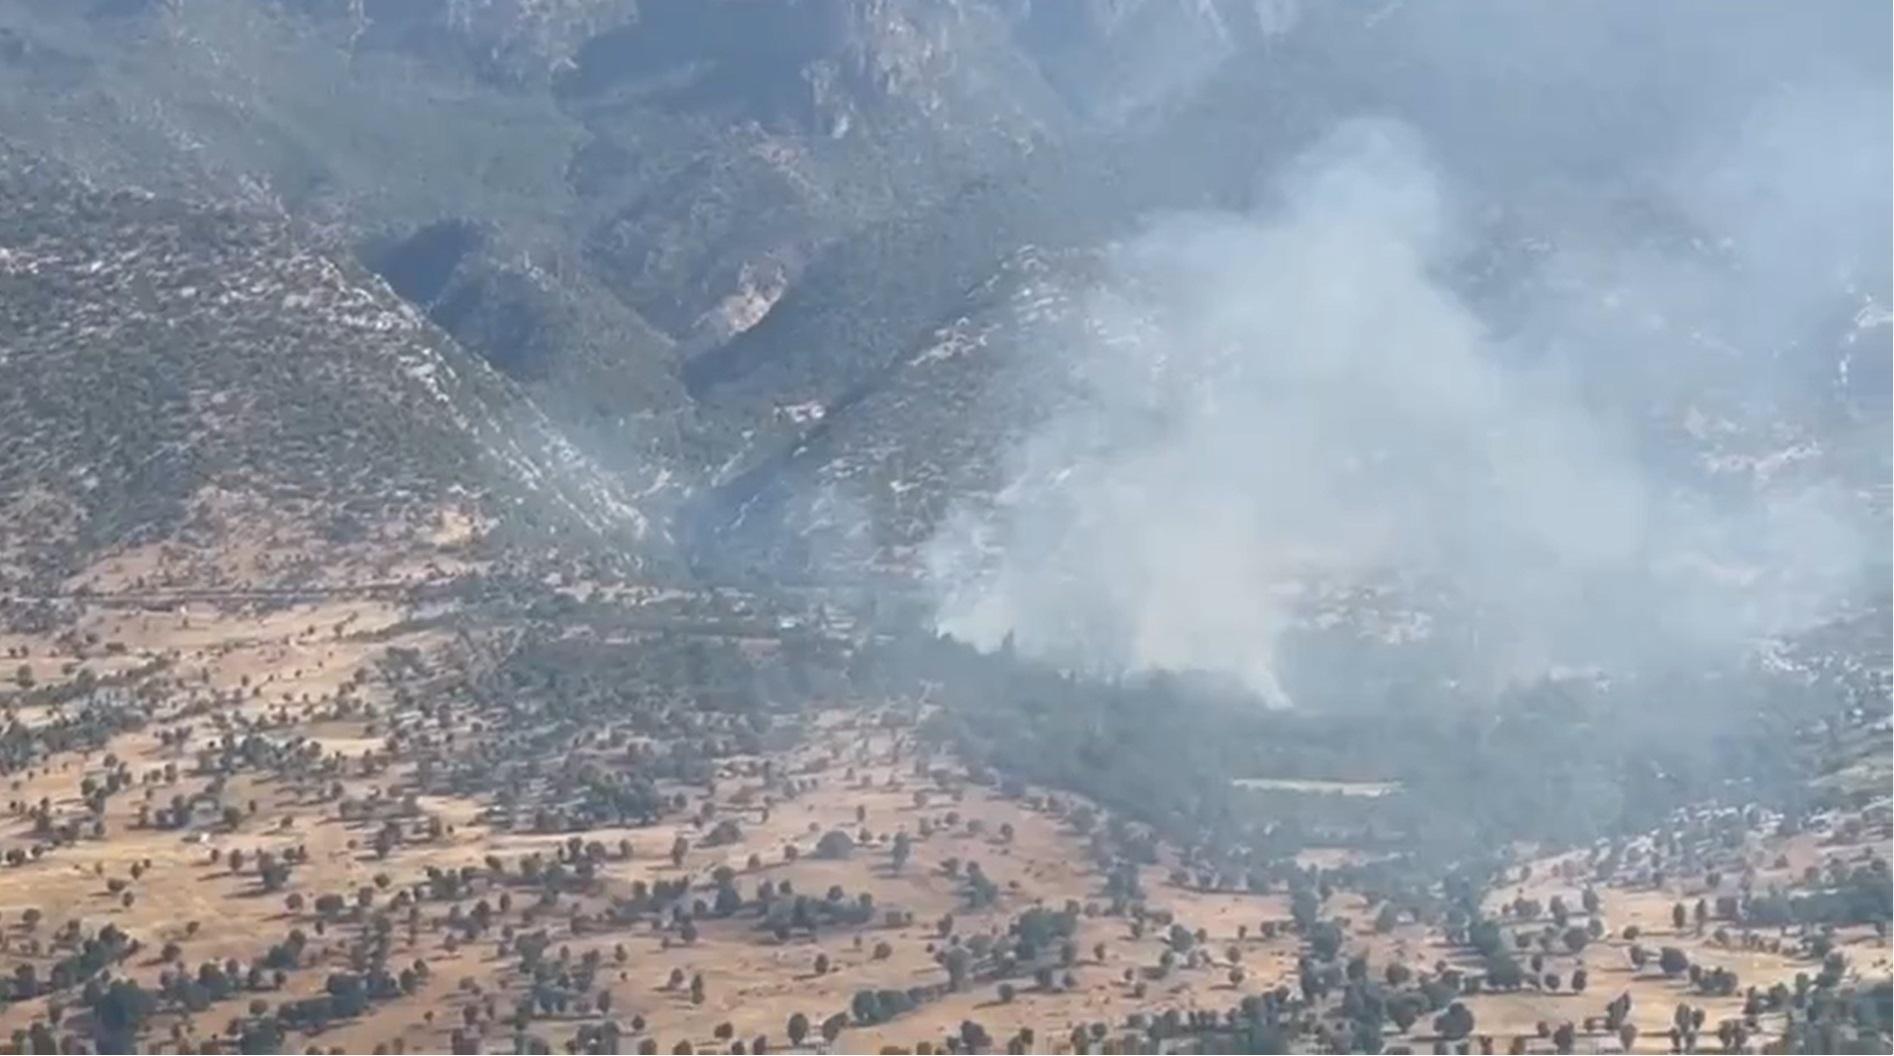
(682, 224)
(786, 268)
(590, 194)
(198, 394)
(881, 457)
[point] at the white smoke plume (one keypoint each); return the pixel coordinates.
(1298, 399)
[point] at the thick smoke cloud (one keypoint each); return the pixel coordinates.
(1310, 396)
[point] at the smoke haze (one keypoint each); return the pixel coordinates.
(1326, 392)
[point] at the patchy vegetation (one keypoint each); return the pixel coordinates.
(650, 821)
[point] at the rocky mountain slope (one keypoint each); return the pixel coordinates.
(943, 421)
(586, 193)
(604, 198)
(805, 276)
(199, 395)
